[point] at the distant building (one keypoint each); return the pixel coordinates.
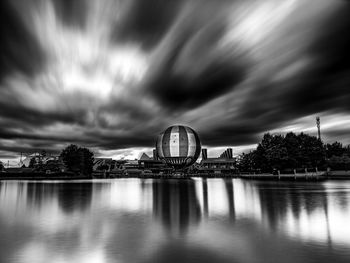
(131, 168)
(38, 158)
(153, 164)
(145, 157)
(17, 170)
(204, 154)
(225, 163)
(155, 154)
(102, 163)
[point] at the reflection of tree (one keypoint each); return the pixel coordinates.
(175, 203)
(71, 196)
(74, 196)
(38, 192)
(275, 201)
(298, 198)
(180, 252)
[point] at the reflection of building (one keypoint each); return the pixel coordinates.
(175, 204)
(225, 163)
(38, 193)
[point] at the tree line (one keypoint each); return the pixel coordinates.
(294, 151)
(74, 159)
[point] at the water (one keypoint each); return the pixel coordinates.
(214, 220)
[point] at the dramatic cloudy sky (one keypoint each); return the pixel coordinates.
(112, 74)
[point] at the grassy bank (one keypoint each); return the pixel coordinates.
(42, 176)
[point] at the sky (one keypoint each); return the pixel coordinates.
(111, 75)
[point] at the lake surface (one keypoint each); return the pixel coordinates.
(213, 220)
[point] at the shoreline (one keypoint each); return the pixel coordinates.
(321, 176)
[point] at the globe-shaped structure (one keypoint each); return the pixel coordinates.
(179, 146)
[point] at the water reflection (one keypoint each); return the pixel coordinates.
(305, 211)
(72, 197)
(201, 220)
(175, 204)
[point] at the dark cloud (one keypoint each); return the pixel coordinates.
(177, 90)
(25, 116)
(191, 67)
(72, 13)
(146, 22)
(19, 50)
(236, 134)
(321, 87)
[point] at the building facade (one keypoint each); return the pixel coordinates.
(225, 163)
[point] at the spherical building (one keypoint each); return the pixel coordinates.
(179, 146)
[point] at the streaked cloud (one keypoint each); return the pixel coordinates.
(112, 74)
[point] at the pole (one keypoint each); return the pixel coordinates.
(318, 123)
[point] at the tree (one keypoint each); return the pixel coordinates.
(86, 160)
(43, 153)
(245, 162)
(103, 167)
(54, 166)
(347, 150)
(2, 167)
(70, 157)
(285, 152)
(78, 160)
(271, 153)
(260, 160)
(335, 149)
(339, 162)
(32, 162)
(311, 151)
(291, 142)
(276, 153)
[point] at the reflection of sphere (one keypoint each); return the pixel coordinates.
(179, 146)
(175, 204)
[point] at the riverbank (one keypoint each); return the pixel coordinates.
(42, 176)
(312, 176)
(320, 176)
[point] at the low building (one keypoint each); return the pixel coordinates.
(38, 158)
(102, 164)
(17, 170)
(225, 163)
(152, 163)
